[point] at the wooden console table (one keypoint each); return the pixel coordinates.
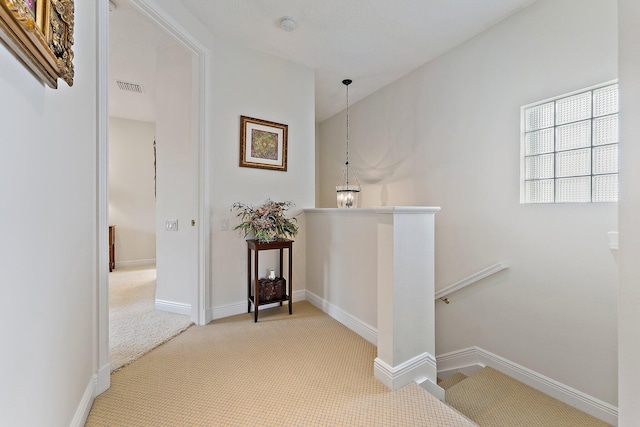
(254, 297)
(112, 247)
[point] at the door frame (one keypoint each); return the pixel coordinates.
(200, 128)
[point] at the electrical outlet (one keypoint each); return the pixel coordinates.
(224, 224)
(171, 225)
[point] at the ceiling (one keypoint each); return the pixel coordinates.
(373, 42)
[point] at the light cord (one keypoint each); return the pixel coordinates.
(347, 162)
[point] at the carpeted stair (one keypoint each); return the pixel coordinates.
(493, 399)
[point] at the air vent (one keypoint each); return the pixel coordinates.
(130, 87)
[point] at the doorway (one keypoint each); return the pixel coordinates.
(195, 233)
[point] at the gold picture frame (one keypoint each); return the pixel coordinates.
(40, 34)
(263, 144)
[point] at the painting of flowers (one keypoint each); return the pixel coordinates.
(264, 145)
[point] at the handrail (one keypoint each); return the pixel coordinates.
(470, 280)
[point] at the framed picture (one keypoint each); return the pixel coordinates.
(263, 144)
(40, 34)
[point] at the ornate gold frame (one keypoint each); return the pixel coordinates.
(278, 138)
(42, 41)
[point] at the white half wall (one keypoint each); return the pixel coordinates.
(629, 251)
(448, 135)
(342, 257)
(132, 204)
(48, 258)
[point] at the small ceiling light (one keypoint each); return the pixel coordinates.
(287, 23)
(347, 192)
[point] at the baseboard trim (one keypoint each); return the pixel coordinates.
(361, 328)
(82, 413)
(103, 379)
(458, 361)
(222, 311)
(419, 368)
(469, 357)
(173, 307)
(135, 263)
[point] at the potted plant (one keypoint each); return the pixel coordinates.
(267, 222)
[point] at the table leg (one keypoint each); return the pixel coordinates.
(290, 279)
(249, 280)
(280, 272)
(256, 287)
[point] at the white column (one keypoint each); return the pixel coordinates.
(406, 309)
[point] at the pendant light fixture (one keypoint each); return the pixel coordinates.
(348, 191)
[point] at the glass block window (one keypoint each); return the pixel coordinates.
(570, 148)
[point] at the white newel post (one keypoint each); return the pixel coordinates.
(406, 309)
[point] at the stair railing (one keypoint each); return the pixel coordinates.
(442, 294)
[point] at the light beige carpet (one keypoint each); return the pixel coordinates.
(135, 327)
(452, 380)
(299, 370)
(493, 399)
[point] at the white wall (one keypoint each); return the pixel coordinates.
(176, 190)
(132, 205)
(629, 253)
(448, 135)
(264, 87)
(48, 269)
(245, 82)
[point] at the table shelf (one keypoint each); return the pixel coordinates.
(271, 301)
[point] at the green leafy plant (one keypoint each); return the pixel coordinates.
(267, 222)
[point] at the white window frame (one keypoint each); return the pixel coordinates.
(523, 155)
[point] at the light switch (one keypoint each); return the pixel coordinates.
(171, 225)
